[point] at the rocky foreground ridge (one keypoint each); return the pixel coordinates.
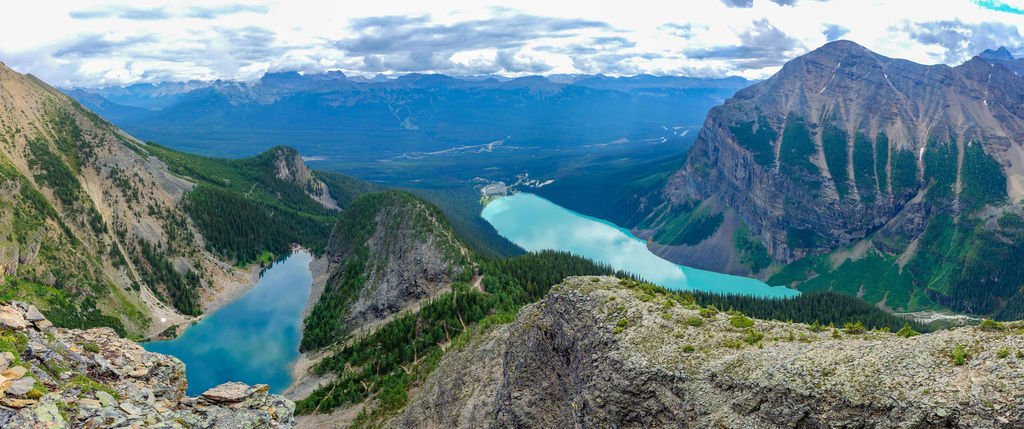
(600, 352)
(59, 378)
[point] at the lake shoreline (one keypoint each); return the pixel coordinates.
(607, 243)
(253, 338)
(226, 291)
(303, 382)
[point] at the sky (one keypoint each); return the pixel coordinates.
(92, 43)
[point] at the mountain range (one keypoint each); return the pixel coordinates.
(330, 114)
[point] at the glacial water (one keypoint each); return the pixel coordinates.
(535, 224)
(254, 339)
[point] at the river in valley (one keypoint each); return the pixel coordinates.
(535, 224)
(254, 339)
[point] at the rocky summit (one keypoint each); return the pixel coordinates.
(603, 352)
(68, 378)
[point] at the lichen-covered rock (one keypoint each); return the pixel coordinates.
(595, 353)
(59, 378)
(230, 392)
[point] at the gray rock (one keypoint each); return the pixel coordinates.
(33, 314)
(228, 393)
(45, 414)
(106, 399)
(21, 386)
(11, 318)
(130, 408)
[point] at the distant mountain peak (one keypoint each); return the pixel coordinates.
(999, 54)
(281, 76)
(842, 48)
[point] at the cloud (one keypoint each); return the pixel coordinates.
(961, 41)
(101, 45)
(122, 41)
(513, 62)
(416, 43)
(763, 45)
(389, 34)
(750, 3)
(213, 12)
(251, 43)
(834, 32)
(132, 14)
(613, 63)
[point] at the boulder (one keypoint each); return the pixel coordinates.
(33, 314)
(229, 392)
(11, 318)
(21, 386)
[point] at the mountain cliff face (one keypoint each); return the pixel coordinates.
(600, 352)
(388, 251)
(291, 168)
(88, 213)
(911, 165)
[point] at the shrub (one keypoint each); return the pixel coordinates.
(753, 337)
(959, 355)
(741, 322)
(708, 311)
(91, 347)
(694, 321)
(733, 343)
(991, 325)
(854, 328)
(1003, 353)
(817, 327)
(906, 331)
(689, 348)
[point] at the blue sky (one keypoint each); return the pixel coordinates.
(99, 42)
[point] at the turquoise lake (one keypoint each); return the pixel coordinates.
(254, 339)
(535, 224)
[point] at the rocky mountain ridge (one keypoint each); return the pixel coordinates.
(68, 378)
(602, 352)
(388, 251)
(845, 154)
(75, 187)
(842, 88)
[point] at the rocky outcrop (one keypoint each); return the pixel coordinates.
(289, 167)
(387, 253)
(60, 378)
(600, 352)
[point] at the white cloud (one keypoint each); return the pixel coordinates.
(95, 42)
